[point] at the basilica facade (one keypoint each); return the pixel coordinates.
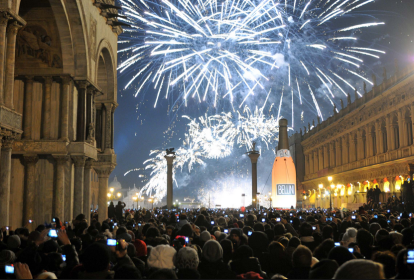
(368, 143)
(58, 95)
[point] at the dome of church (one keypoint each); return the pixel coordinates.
(115, 184)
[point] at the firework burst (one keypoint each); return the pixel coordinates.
(231, 50)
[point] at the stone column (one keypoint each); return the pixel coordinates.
(390, 134)
(320, 158)
(48, 108)
(369, 143)
(6, 151)
(378, 134)
(401, 137)
(81, 121)
(170, 160)
(338, 152)
(360, 147)
(325, 156)
(64, 120)
(87, 198)
(307, 164)
(59, 187)
(79, 181)
(253, 158)
(28, 99)
(108, 126)
(352, 150)
(103, 176)
(315, 161)
(345, 149)
(310, 162)
(332, 155)
(4, 18)
(30, 188)
(10, 64)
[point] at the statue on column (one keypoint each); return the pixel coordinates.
(348, 99)
(342, 104)
(365, 88)
(309, 126)
(334, 109)
(253, 150)
(304, 129)
(170, 151)
(374, 80)
(319, 120)
(356, 94)
(91, 134)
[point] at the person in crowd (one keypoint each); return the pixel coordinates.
(301, 261)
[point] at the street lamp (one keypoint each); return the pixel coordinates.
(110, 195)
(270, 200)
(118, 194)
(330, 192)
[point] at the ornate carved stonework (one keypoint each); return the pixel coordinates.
(92, 34)
(79, 161)
(10, 119)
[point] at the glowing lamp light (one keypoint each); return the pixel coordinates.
(319, 195)
(320, 186)
(332, 186)
(330, 178)
(118, 194)
(111, 189)
(109, 195)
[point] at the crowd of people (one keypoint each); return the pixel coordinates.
(215, 244)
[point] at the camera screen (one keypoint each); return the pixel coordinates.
(410, 256)
(351, 250)
(212, 222)
(337, 244)
(241, 215)
(249, 233)
(53, 233)
(111, 242)
(263, 220)
(353, 217)
(226, 231)
(9, 269)
(54, 220)
(314, 228)
(277, 219)
(64, 258)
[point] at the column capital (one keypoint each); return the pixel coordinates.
(89, 163)
(254, 157)
(66, 80)
(104, 172)
(7, 143)
(32, 159)
(48, 80)
(61, 159)
(169, 159)
(79, 160)
(82, 84)
(13, 28)
(109, 105)
(4, 18)
(29, 79)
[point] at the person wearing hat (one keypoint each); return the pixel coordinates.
(121, 254)
(7, 257)
(161, 256)
(13, 243)
(186, 262)
(211, 265)
(301, 261)
(236, 237)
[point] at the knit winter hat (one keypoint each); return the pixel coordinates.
(187, 257)
(325, 269)
(161, 257)
(107, 233)
(212, 251)
(13, 242)
(360, 269)
(205, 236)
(7, 257)
(350, 235)
(141, 248)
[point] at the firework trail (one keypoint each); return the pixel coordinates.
(214, 51)
(211, 137)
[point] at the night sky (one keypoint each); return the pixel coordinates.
(140, 128)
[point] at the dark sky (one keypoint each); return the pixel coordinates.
(140, 128)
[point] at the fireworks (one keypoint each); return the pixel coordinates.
(211, 137)
(231, 50)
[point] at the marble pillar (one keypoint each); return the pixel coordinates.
(320, 158)
(253, 158)
(59, 188)
(79, 183)
(378, 135)
(10, 63)
(27, 114)
(103, 177)
(338, 149)
(4, 199)
(4, 18)
(331, 154)
(30, 188)
(87, 197)
(170, 160)
(390, 134)
(64, 120)
(108, 126)
(46, 126)
(400, 124)
(81, 121)
(326, 156)
(6, 151)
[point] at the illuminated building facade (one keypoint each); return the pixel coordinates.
(369, 143)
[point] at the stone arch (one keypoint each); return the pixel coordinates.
(70, 25)
(106, 72)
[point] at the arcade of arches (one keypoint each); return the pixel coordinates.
(369, 143)
(58, 95)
